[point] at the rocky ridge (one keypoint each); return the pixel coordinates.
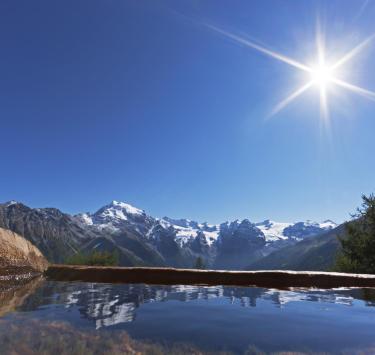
(141, 239)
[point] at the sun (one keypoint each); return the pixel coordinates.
(322, 75)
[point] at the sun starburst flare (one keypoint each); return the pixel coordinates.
(321, 75)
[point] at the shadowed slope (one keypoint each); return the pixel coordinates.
(317, 253)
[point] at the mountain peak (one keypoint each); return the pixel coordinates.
(12, 202)
(129, 209)
(182, 222)
(328, 224)
(329, 221)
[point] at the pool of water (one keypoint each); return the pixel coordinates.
(79, 318)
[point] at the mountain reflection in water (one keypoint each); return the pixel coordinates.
(107, 304)
(214, 318)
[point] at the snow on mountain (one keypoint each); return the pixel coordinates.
(302, 230)
(184, 223)
(85, 218)
(275, 231)
(141, 239)
(113, 216)
(10, 203)
(118, 211)
(187, 230)
(211, 237)
(184, 235)
(117, 215)
(328, 224)
(129, 209)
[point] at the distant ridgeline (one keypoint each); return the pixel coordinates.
(137, 239)
(316, 253)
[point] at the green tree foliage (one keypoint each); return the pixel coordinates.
(199, 264)
(358, 248)
(95, 258)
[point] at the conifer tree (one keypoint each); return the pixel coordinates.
(199, 264)
(358, 247)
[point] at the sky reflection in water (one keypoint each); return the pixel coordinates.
(206, 318)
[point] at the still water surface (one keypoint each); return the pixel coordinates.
(48, 317)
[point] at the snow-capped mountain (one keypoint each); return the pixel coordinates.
(117, 215)
(141, 239)
(275, 231)
(272, 231)
(187, 230)
(222, 245)
(114, 216)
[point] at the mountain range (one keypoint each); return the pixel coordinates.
(317, 253)
(141, 239)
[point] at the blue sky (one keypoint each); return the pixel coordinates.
(140, 101)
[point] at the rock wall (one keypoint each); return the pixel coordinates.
(17, 252)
